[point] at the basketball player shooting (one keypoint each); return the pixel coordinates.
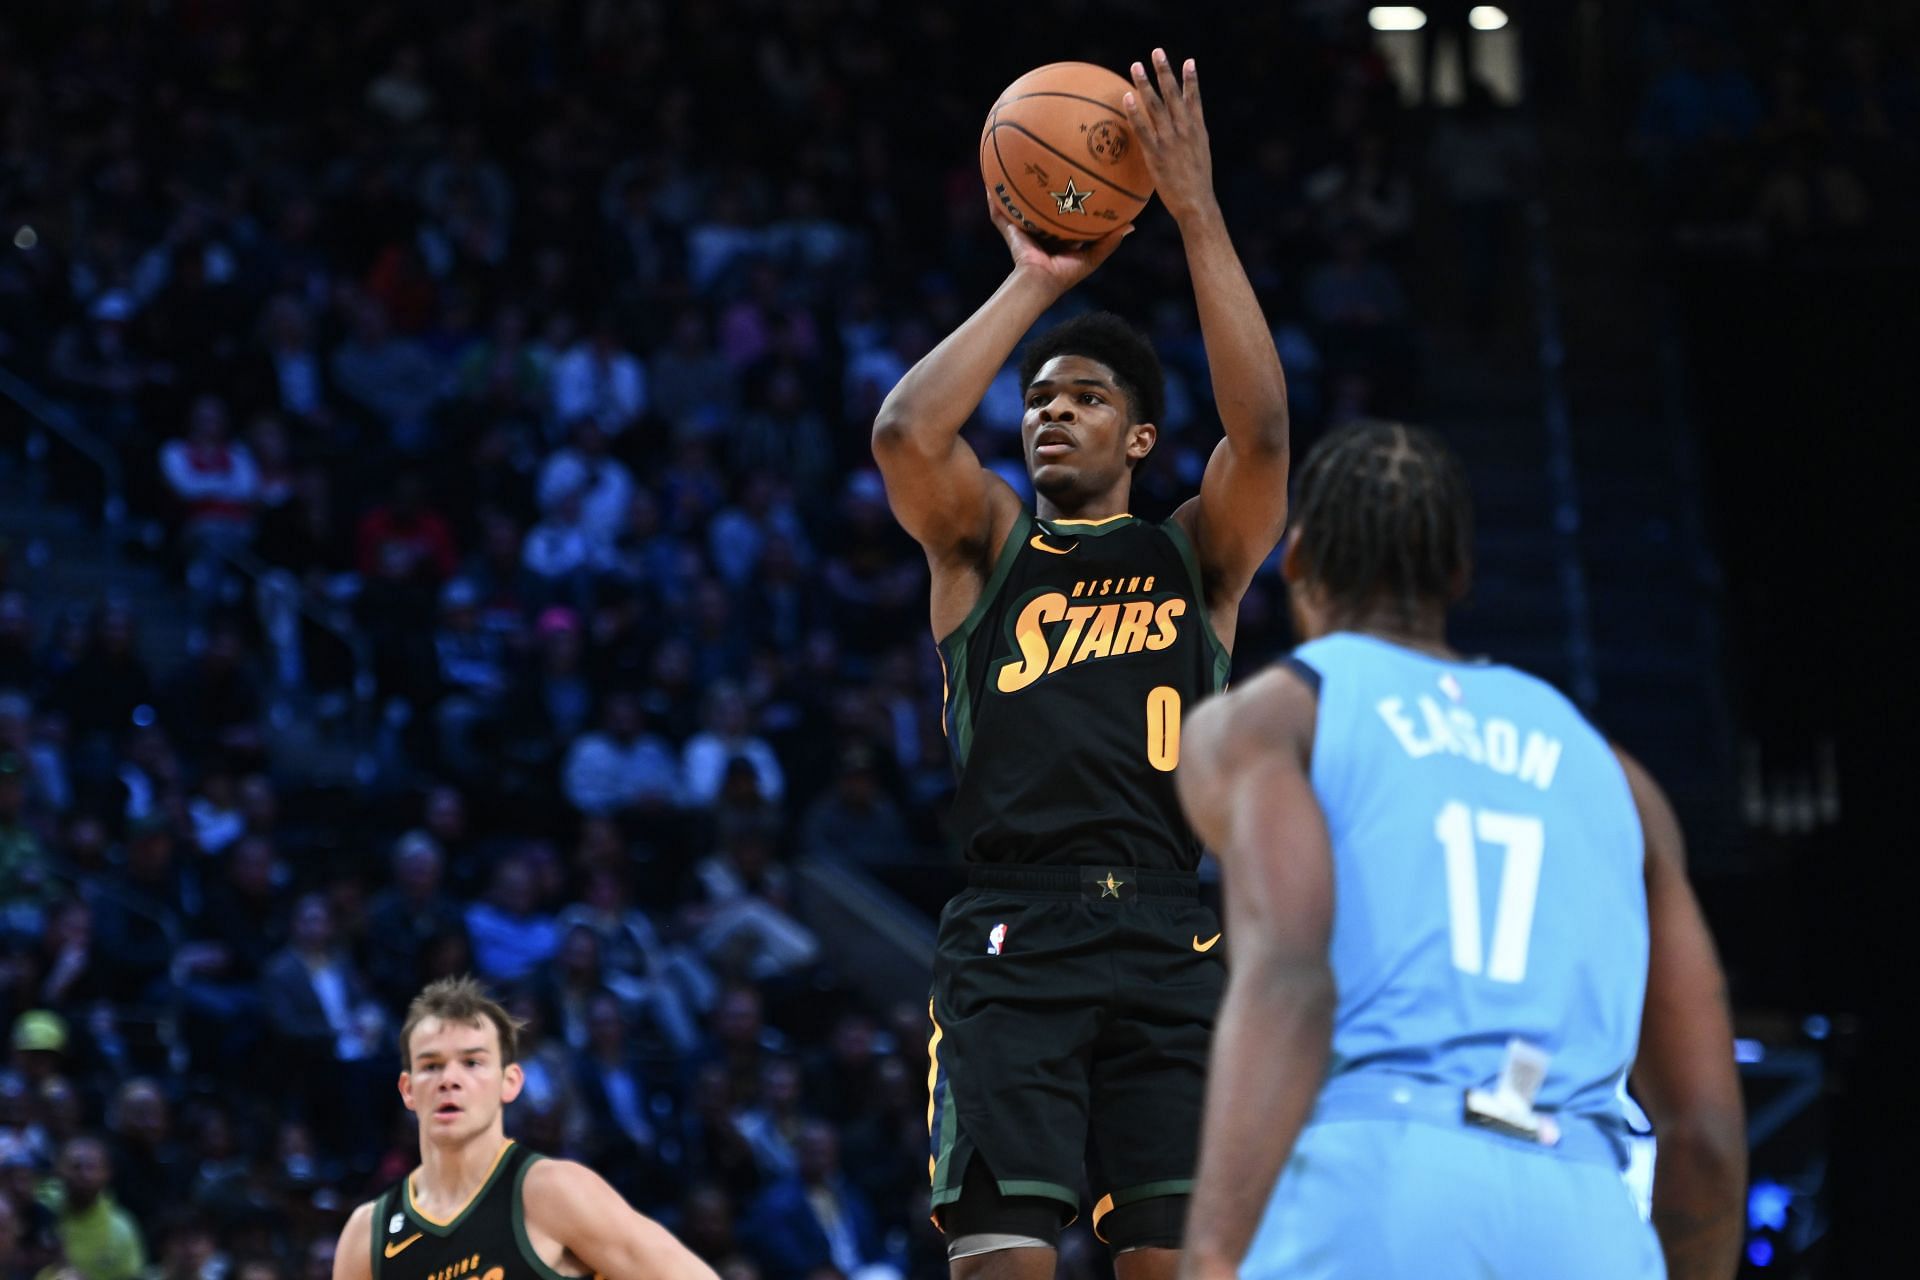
(481, 1207)
(1075, 980)
(1440, 875)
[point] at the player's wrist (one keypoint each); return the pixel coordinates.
(1201, 213)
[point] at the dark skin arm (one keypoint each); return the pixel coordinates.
(1244, 783)
(1684, 1074)
(1241, 512)
(958, 511)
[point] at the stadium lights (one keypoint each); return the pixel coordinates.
(1486, 17)
(1397, 17)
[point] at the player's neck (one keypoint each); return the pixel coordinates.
(450, 1173)
(1103, 506)
(1425, 632)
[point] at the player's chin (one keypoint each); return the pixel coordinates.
(1054, 479)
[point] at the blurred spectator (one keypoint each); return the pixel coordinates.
(647, 974)
(147, 1164)
(98, 1238)
(814, 1218)
(693, 386)
(624, 1141)
(392, 378)
(316, 1000)
(23, 859)
(742, 915)
(138, 913)
(772, 1124)
(856, 820)
(511, 935)
(621, 766)
(404, 920)
(727, 737)
(100, 692)
(214, 484)
(597, 381)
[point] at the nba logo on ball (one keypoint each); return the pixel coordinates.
(995, 938)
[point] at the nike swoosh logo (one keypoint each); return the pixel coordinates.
(394, 1250)
(1204, 946)
(1038, 543)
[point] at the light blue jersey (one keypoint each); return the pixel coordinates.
(1488, 889)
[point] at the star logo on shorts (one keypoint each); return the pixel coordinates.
(1072, 200)
(1110, 888)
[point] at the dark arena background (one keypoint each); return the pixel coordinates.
(437, 532)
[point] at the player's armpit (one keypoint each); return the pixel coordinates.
(572, 1204)
(1684, 1075)
(353, 1255)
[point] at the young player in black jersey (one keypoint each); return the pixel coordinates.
(1076, 979)
(481, 1207)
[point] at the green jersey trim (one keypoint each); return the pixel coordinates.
(534, 1260)
(375, 1229)
(1222, 656)
(1009, 552)
(434, 1226)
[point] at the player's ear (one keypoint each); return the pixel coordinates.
(1141, 437)
(511, 1081)
(1293, 565)
(406, 1089)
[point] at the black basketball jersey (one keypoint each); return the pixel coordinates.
(1065, 690)
(487, 1240)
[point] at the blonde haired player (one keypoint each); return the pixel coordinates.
(481, 1206)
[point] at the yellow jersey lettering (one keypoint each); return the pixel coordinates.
(1078, 589)
(1029, 634)
(1131, 635)
(1165, 633)
(1099, 641)
(1076, 620)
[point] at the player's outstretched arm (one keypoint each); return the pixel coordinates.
(353, 1255)
(571, 1203)
(1684, 1074)
(1242, 508)
(1244, 783)
(938, 490)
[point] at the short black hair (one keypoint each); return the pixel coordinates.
(1103, 336)
(1384, 510)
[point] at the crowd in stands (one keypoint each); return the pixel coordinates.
(541, 339)
(1790, 130)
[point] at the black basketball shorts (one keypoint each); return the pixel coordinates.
(1072, 1010)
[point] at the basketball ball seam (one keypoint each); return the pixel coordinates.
(1038, 141)
(1056, 93)
(1077, 233)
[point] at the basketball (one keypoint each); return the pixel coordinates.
(1059, 156)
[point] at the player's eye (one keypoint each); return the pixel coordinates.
(1089, 398)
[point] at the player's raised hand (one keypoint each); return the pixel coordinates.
(1062, 266)
(1167, 120)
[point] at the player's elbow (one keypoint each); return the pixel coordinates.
(1705, 1149)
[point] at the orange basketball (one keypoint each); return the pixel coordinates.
(1059, 156)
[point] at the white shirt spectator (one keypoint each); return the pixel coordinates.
(604, 486)
(604, 775)
(705, 764)
(217, 483)
(593, 378)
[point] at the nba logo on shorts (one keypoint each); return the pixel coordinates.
(994, 939)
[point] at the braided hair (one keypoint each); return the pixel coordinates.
(1385, 515)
